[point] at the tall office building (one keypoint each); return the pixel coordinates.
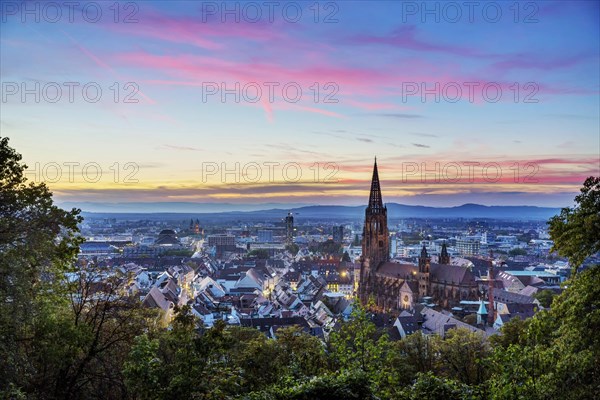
(289, 229)
(221, 240)
(468, 246)
(265, 236)
(338, 234)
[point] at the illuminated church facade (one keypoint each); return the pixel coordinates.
(394, 286)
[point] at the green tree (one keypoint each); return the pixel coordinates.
(574, 354)
(576, 231)
(347, 385)
(328, 247)
(358, 344)
(143, 368)
(512, 332)
(220, 362)
(428, 386)
(183, 363)
(254, 355)
(293, 249)
(517, 252)
(545, 297)
(38, 244)
(470, 319)
(299, 355)
(261, 254)
(418, 351)
(462, 356)
(94, 336)
(63, 330)
(556, 354)
(405, 359)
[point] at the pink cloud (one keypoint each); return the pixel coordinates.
(349, 84)
(268, 109)
(198, 30)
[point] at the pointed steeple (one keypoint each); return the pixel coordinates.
(444, 256)
(424, 263)
(375, 201)
(376, 239)
(482, 310)
(482, 314)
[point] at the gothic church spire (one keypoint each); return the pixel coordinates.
(375, 200)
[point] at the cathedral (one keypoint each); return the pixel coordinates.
(394, 286)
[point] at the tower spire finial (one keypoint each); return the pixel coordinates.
(375, 200)
(444, 256)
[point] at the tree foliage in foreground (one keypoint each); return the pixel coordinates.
(37, 246)
(576, 231)
(64, 333)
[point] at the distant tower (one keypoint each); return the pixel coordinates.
(338, 234)
(289, 229)
(424, 267)
(375, 241)
(444, 256)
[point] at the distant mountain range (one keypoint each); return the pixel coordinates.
(212, 211)
(174, 207)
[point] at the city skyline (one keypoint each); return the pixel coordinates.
(400, 83)
(322, 199)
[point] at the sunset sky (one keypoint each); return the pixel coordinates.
(371, 57)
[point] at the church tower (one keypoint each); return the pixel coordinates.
(444, 256)
(424, 266)
(375, 241)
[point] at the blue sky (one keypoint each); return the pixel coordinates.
(175, 58)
